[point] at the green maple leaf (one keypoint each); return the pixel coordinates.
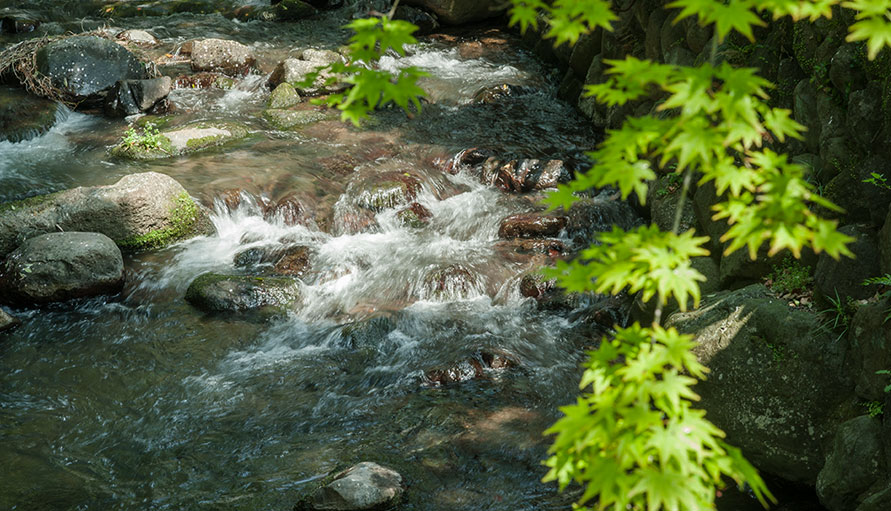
(875, 31)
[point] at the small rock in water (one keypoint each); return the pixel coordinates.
(212, 292)
(7, 322)
(453, 281)
(221, 55)
(495, 92)
(471, 368)
(294, 70)
(415, 215)
(531, 225)
(129, 97)
(365, 486)
(284, 96)
(140, 37)
(60, 266)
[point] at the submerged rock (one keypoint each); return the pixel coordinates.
(141, 211)
(385, 190)
(180, 140)
(212, 292)
(60, 266)
(415, 216)
(531, 225)
(7, 322)
(221, 55)
(524, 175)
(365, 486)
(84, 68)
(451, 282)
(478, 366)
(23, 116)
(293, 260)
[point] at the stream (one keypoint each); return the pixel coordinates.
(140, 401)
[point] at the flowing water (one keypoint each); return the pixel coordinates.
(140, 401)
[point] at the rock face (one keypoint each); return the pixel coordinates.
(130, 97)
(140, 211)
(844, 277)
(221, 55)
(363, 486)
(456, 12)
(62, 265)
(23, 116)
(776, 385)
(869, 337)
(85, 67)
(7, 322)
(855, 463)
(213, 292)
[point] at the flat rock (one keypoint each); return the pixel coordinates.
(212, 292)
(221, 55)
(363, 486)
(60, 266)
(182, 140)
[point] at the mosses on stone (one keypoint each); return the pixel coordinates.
(184, 219)
(289, 119)
(28, 202)
(177, 141)
(213, 292)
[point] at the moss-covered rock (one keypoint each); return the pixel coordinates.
(292, 119)
(178, 141)
(213, 292)
(284, 96)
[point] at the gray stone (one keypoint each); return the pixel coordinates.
(221, 55)
(869, 337)
(663, 197)
(864, 115)
(844, 277)
(853, 465)
(365, 486)
(776, 385)
(137, 36)
(285, 119)
(7, 322)
(145, 210)
(60, 266)
(85, 67)
(284, 96)
(832, 118)
(861, 201)
(805, 112)
(837, 156)
(805, 41)
(129, 97)
(294, 71)
(457, 12)
(846, 70)
(587, 46)
(212, 292)
(190, 138)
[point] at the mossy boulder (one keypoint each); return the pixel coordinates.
(213, 292)
(283, 96)
(180, 140)
(284, 119)
(141, 211)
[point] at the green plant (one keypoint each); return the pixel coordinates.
(878, 180)
(838, 315)
(874, 408)
(789, 277)
(633, 440)
(884, 280)
(150, 139)
(886, 373)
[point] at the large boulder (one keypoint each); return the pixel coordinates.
(129, 97)
(60, 266)
(147, 210)
(841, 278)
(777, 385)
(363, 486)
(854, 464)
(869, 338)
(212, 292)
(457, 12)
(23, 116)
(221, 55)
(85, 67)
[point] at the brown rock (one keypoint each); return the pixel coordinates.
(531, 225)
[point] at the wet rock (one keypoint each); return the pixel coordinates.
(870, 349)
(136, 36)
(204, 81)
(23, 116)
(425, 21)
(294, 71)
(292, 10)
(365, 486)
(550, 247)
(535, 285)
(84, 68)
(415, 215)
(292, 210)
(458, 12)
(776, 385)
(60, 266)
(855, 463)
(181, 140)
(283, 260)
(131, 97)
(531, 225)
(466, 159)
(221, 55)
(450, 282)
(13, 22)
(476, 367)
(291, 119)
(294, 262)
(844, 277)
(493, 93)
(213, 292)
(385, 190)
(140, 211)
(284, 96)
(589, 216)
(7, 322)
(524, 175)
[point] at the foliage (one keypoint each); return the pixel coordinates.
(886, 373)
(878, 180)
(874, 408)
(634, 437)
(370, 87)
(838, 315)
(789, 277)
(150, 139)
(884, 280)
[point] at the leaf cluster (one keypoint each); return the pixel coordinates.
(633, 436)
(149, 139)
